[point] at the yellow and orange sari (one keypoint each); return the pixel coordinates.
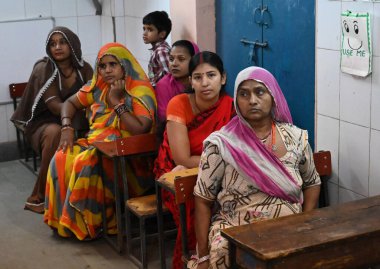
(74, 190)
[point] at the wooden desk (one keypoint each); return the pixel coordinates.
(119, 150)
(344, 236)
(167, 182)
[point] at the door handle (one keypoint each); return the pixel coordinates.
(263, 11)
(259, 12)
(253, 44)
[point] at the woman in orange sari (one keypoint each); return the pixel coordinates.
(191, 117)
(121, 103)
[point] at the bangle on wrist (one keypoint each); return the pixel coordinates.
(201, 259)
(121, 109)
(116, 106)
(67, 125)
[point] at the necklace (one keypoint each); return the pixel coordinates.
(273, 132)
(264, 139)
(69, 75)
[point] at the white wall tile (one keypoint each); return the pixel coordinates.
(107, 29)
(69, 22)
(328, 24)
(89, 30)
(354, 158)
(3, 125)
(327, 135)
(38, 8)
(134, 41)
(357, 6)
(333, 191)
(328, 74)
(24, 45)
(376, 29)
(144, 64)
(119, 8)
(67, 8)
(85, 8)
(348, 196)
(120, 29)
(374, 172)
(90, 58)
(355, 99)
(106, 7)
(12, 10)
(375, 100)
(139, 8)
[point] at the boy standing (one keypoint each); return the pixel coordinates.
(156, 27)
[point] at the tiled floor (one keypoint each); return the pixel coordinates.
(27, 243)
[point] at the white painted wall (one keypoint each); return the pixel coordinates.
(348, 107)
(93, 31)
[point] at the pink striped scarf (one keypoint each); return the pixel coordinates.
(240, 147)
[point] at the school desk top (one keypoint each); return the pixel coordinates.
(342, 236)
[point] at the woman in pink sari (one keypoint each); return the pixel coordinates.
(177, 80)
(259, 166)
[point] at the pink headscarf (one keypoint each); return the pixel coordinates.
(240, 147)
(195, 47)
(280, 111)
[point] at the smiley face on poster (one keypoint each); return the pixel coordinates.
(356, 51)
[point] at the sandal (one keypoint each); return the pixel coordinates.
(38, 208)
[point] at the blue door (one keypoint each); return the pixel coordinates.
(285, 33)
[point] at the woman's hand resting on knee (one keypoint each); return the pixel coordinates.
(67, 139)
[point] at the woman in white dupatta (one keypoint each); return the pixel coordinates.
(259, 166)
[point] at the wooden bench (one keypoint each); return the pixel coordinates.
(343, 236)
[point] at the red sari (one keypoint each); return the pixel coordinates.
(199, 128)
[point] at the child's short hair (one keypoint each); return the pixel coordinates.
(160, 19)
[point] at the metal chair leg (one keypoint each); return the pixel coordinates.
(185, 249)
(119, 245)
(161, 238)
(19, 144)
(26, 149)
(144, 261)
(128, 232)
(119, 202)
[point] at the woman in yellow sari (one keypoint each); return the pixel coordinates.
(120, 102)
